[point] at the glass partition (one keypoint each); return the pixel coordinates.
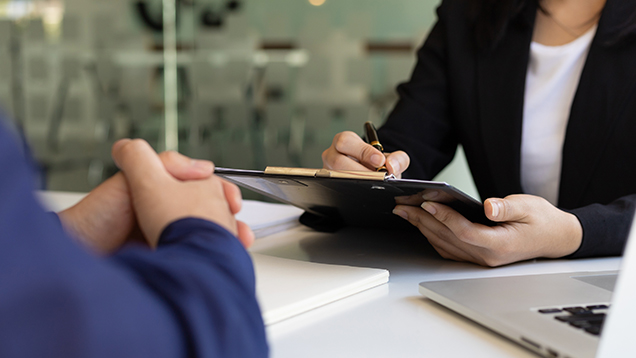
(245, 83)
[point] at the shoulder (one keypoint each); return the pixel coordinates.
(458, 9)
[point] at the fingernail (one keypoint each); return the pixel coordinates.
(120, 143)
(203, 165)
(395, 165)
(429, 208)
(430, 195)
(401, 213)
(496, 207)
(376, 160)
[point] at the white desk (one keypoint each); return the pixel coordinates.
(391, 320)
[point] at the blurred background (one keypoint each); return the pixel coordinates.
(245, 83)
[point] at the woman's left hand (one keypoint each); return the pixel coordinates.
(528, 227)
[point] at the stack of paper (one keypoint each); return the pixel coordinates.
(264, 218)
(268, 218)
(286, 288)
(58, 200)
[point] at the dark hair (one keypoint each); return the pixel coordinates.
(493, 18)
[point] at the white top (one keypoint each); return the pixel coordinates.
(551, 82)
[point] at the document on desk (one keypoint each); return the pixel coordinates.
(268, 218)
(58, 200)
(286, 288)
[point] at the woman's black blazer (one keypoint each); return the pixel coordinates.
(460, 94)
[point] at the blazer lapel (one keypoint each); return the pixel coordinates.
(501, 75)
(607, 82)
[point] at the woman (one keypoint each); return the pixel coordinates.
(541, 97)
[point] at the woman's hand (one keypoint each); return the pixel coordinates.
(349, 152)
(528, 227)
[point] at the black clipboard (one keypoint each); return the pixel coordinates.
(334, 198)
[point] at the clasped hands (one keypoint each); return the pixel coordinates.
(528, 226)
(150, 192)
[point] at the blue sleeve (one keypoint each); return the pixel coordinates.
(208, 281)
(192, 297)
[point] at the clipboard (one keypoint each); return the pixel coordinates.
(336, 198)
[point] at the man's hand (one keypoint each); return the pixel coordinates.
(529, 227)
(349, 152)
(104, 220)
(160, 199)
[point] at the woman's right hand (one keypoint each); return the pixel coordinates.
(349, 152)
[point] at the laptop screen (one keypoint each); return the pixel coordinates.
(617, 337)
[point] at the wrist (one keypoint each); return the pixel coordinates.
(571, 237)
(576, 234)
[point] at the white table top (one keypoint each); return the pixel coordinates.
(391, 320)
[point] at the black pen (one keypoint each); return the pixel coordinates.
(374, 141)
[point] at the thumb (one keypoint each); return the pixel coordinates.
(184, 168)
(511, 208)
(138, 161)
(397, 162)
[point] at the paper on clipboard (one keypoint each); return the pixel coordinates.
(352, 198)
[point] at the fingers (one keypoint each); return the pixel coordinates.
(548, 231)
(104, 218)
(185, 168)
(137, 159)
(455, 237)
(148, 181)
(349, 151)
(178, 165)
(438, 235)
(397, 162)
(244, 234)
(446, 245)
(233, 196)
(511, 208)
(334, 160)
(529, 227)
(159, 198)
(461, 227)
(489, 246)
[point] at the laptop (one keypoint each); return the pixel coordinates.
(575, 315)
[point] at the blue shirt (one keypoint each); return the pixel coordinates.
(194, 296)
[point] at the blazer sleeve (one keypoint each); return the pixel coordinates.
(605, 227)
(420, 122)
(192, 297)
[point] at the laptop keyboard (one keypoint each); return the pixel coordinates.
(587, 318)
